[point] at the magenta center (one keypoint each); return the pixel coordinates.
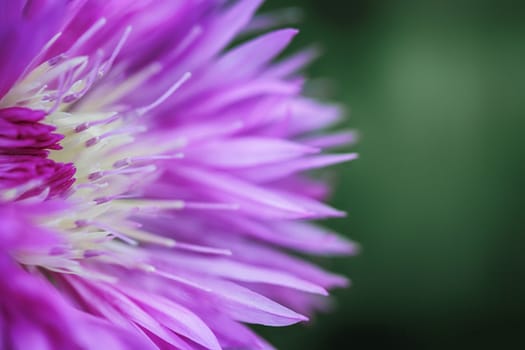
(25, 144)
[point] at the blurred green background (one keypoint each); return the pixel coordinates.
(435, 89)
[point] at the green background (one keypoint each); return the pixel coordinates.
(435, 89)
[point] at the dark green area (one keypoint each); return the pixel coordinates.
(436, 90)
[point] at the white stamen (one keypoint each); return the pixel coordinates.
(126, 131)
(117, 234)
(100, 174)
(166, 95)
(116, 51)
(86, 125)
(42, 52)
(188, 40)
(88, 34)
(88, 81)
(133, 160)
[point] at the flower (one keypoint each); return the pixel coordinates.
(152, 179)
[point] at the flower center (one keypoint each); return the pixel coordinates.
(102, 146)
(25, 144)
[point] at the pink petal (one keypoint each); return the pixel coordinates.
(247, 151)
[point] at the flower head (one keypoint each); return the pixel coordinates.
(152, 179)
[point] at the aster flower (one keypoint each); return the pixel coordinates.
(152, 179)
